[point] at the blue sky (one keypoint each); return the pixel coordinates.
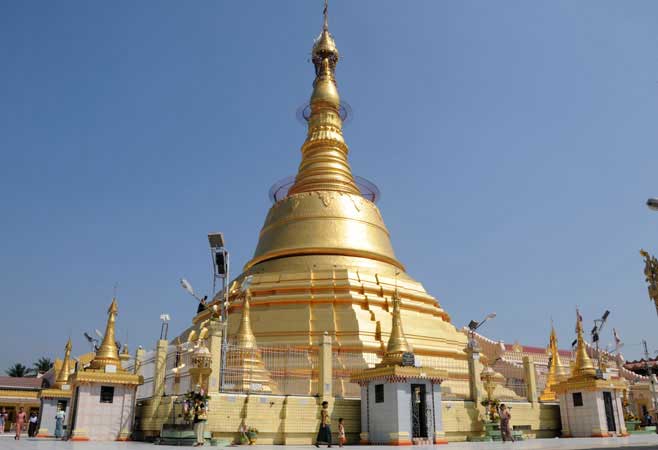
(514, 144)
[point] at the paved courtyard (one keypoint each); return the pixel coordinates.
(634, 442)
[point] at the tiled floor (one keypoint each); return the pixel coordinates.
(634, 442)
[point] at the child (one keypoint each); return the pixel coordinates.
(341, 433)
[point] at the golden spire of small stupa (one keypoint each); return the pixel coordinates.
(245, 337)
(324, 165)
(556, 373)
(107, 352)
(583, 366)
(397, 341)
(244, 359)
(65, 370)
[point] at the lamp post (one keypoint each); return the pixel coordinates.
(220, 264)
(598, 326)
(473, 325)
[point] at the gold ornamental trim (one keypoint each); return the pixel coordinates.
(399, 372)
(590, 384)
(55, 393)
(19, 393)
(300, 218)
(89, 376)
(323, 251)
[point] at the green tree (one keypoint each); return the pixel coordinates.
(18, 370)
(42, 365)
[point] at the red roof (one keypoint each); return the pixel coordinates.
(21, 382)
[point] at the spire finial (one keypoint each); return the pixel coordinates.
(397, 342)
(583, 366)
(325, 13)
(108, 353)
(324, 165)
(65, 370)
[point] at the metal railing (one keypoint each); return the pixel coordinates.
(285, 370)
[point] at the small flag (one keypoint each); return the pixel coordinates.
(618, 343)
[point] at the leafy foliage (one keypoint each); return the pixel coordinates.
(43, 365)
(18, 370)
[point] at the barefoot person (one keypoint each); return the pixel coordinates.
(200, 417)
(341, 433)
(20, 423)
(505, 427)
(324, 433)
(59, 423)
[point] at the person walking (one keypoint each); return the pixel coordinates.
(200, 417)
(505, 427)
(341, 433)
(3, 420)
(32, 426)
(324, 433)
(20, 422)
(59, 422)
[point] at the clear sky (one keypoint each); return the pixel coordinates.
(514, 144)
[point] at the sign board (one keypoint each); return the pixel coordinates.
(110, 368)
(408, 359)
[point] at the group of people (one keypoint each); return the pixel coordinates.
(324, 433)
(32, 421)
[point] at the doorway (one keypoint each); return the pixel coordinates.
(418, 411)
(609, 412)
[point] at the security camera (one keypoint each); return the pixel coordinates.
(652, 203)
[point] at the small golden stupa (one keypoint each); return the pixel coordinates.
(65, 370)
(106, 364)
(583, 373)
(397, 342)
(557, 372)
(244, 360)
(398, 360)
(60, 388)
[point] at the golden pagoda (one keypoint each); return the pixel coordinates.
(244, 361)
(583, 372)
(324, 261)
(556, 373)
(108, 353)
(397, 342)
(64, 372)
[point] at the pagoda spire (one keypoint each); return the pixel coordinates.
(324, 165)
(583, 367)
(397, 341)
(65, 370)
(108, 353)
(556, 372)
(245, 337)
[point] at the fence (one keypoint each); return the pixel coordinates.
(514, 386)
(344, 364)
(285, 370)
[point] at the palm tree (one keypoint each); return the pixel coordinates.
(42, 365)
(18, 370)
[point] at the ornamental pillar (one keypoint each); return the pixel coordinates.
(160, 368)
(530, 379)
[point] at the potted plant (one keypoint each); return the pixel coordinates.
(252, 434)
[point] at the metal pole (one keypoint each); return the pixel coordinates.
(224, 310)
(650, 373)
